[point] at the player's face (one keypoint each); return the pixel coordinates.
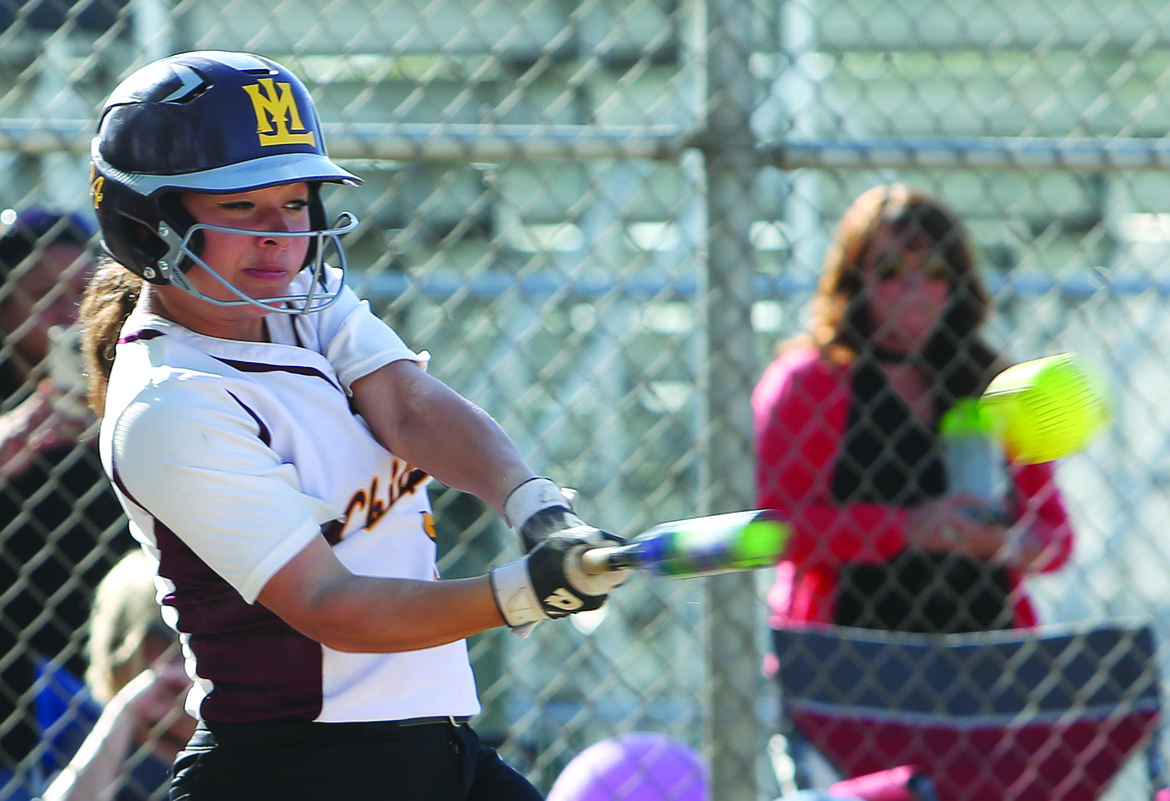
(259, 266)
(907, 285)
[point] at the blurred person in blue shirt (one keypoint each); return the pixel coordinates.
(137, 681)
(60, 524)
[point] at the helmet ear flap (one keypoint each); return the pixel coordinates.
(317, 220)
(129, 224)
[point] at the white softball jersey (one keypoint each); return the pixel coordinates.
(229, 457)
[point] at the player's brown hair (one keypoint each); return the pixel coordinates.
(109, 297)
(841, 324)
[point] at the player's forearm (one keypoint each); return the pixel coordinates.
(463, 447)
(363, 614)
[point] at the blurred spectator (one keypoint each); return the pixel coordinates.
(848, 444)
(44, 265)
(849, 448)
(136, 673)
(58, 518)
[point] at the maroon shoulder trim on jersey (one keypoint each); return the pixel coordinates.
(145, 333)
(116, 478)
(258, 367)
(265, 434)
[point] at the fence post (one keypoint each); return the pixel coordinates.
(732, 743)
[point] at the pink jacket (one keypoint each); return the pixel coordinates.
(800, 410)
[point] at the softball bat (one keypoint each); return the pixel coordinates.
(698, 546)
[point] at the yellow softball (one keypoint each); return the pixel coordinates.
(1046, 408)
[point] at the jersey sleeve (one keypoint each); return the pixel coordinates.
(356, 341)
(254, 517)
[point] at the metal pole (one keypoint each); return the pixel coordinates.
(153, 24)
(732, 743)
(506, 143)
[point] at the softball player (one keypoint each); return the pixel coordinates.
(294, 537)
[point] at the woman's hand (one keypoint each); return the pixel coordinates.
(39, 424)
(147, 712)
(952, 524)
(154, 701)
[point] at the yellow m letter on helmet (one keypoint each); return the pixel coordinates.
(278, 122)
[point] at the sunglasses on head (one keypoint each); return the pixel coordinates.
(892, 265)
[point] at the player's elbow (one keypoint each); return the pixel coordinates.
(319, 597)
(319, 609)
(354, 615)
(325, 626)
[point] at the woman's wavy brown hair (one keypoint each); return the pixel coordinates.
(841, 324)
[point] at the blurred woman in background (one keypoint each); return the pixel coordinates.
(848, 444)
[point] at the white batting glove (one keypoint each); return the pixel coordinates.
(538, 509)
(547, 583)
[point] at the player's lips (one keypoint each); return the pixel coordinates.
(267, 273)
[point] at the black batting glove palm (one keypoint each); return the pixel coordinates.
(552, 570)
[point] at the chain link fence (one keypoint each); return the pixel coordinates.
(599, 217)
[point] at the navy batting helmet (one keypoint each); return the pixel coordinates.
(208, 122)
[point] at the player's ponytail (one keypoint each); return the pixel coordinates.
(109, 298)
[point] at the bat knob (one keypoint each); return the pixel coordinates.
(596, 561)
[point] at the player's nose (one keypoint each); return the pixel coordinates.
(277, 222)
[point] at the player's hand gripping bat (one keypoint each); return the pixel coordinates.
(698, 546)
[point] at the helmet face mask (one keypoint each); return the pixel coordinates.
(209, 122)
(319, 296)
